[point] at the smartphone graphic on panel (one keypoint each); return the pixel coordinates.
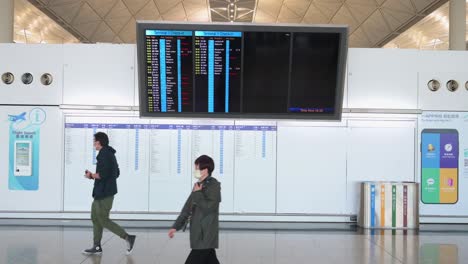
(439, 166)
(23, 158)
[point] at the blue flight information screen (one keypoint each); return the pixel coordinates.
(169, 76)
(193, 71)
(217, 71)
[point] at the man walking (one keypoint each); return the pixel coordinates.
(105, 187)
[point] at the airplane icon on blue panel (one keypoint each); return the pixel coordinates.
(17, 118)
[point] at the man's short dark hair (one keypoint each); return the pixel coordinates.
(102, 138)
(205, 162)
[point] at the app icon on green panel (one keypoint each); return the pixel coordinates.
(430, 185)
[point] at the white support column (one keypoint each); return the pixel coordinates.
(6, 21)
(457, 32)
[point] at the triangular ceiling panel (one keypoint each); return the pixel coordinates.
(128, 33)
(328, 8)
(45, 2)
(102, 7)
(361, 12)
(134, 6)
(422, 4)
(314, 16)
(394, 18)
(117, 23)
(344, 17)
(376, 28)
(362, 2)
(191, 8)
(103, 34)
(380, 2)
(288, 16)
(201, 15)
(263, 17)
(119, 11)
(148, 12)
(298, 6)
(166, 5)
(86, 14)
(61, 2)
(177, 13)
(87, 29)
(195, 2)
(67, 11)
(291, 20)
(117, 40)
(359, 39)
(400, 5)
(118, 17)
(270, 7)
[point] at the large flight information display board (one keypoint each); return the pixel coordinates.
(202, 70)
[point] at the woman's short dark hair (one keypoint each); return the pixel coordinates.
(205, 162)
(102, 138)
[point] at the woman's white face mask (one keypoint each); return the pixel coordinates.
(197, 174)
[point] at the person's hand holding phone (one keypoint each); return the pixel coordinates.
(88, 174)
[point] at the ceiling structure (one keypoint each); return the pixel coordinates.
(225, 10)
(32, 26)
(372, 23)
(431, 33)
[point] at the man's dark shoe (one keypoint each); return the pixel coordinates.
(95, 250)
(130, 243)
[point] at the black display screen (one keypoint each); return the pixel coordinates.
(266, 72)
(313, 73)
(229, 70)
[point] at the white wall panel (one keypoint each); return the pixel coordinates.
(37, 60)
(442, 61)
(382, 79)
(443, 99)
(311, 170)
(100, 74)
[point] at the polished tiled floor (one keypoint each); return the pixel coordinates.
(51, 245)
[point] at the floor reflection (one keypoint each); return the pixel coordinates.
(33, 245)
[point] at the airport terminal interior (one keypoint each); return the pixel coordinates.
(233, 131)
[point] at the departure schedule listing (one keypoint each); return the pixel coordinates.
(169, 63)
(218, 71)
